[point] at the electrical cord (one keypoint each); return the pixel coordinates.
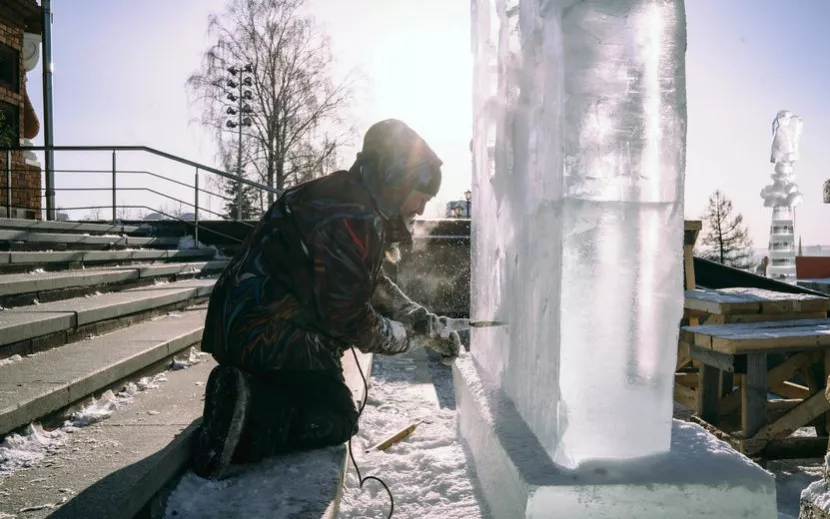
(354, 430)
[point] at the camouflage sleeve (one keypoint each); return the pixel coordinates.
(343, 289)
(390, 301)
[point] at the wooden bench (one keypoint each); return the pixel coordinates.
(729, 348)
(747, 305)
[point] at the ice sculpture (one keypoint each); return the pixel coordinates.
(579, 144)
(783, 195)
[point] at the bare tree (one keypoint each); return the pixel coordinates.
(726, 239)
(297, 121)
(94, 214)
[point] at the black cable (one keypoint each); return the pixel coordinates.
(354, 431)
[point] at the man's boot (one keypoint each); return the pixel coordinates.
(226, 408)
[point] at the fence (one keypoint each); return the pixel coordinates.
(195, 190)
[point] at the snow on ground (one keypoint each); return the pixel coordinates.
(791, 478)
(33, 443)
(29, 448)
(427, 471)
(194, 356)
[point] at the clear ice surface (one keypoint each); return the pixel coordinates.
(579, 152)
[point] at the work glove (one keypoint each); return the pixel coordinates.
(431, 331)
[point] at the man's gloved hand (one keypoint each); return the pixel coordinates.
(430, 330)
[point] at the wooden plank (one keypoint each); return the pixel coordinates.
(754, 394)
(730, 403)
(799, 416)
(748, 337)
(708, 394)
(685, 396)
(790, 390)
(689, 265)
(755, 318)
(683, 356)
(686, 379)
(722, 361)
(795, 448)
(787, 369)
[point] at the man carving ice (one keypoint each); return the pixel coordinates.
(308, 284)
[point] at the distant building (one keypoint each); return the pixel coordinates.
(457, 209)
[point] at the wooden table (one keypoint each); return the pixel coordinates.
(806, 342)
(745, 305)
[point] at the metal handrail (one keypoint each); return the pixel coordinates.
(159, 211)
(152, 151)
(114, 188)
(141, 172)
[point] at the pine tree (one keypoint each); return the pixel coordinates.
(726, 239)
(249, 210)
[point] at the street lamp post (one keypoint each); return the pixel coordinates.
(468, 195)
(243, 119)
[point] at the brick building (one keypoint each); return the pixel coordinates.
(20, 28)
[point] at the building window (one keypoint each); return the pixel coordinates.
(9, 68)
(9, 124)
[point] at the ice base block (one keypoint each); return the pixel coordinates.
(700, 477)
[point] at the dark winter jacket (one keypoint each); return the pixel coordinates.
(309, 282)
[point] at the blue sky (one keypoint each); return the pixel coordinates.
(120, 69)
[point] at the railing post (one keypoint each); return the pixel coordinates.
(114, 204)
(196, 210)
(8, 183)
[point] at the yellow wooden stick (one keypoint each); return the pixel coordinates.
(395, 438)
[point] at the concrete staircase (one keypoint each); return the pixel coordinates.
(103, 318)
(89, 308)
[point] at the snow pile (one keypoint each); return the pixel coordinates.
(27, 449)
(24, 450)
(103, 407)
(187, 242)
(194, 356)
(818, 492)
(38, 271)
(9, 360)
(427, 471)
(277, 488)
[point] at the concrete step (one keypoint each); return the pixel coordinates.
(66, 227)
(33, 239)
(52, 260)
(115, 466)
(21, 289)
(35, 386)
(142, 451)
(29, 329)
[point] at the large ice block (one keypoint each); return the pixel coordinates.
(579, 147)
(700, 476)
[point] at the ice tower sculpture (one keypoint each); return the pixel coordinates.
(578, 224)
(783, 196)
(579, 144)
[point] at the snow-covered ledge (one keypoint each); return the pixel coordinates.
(701, 476)
(31, 57)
